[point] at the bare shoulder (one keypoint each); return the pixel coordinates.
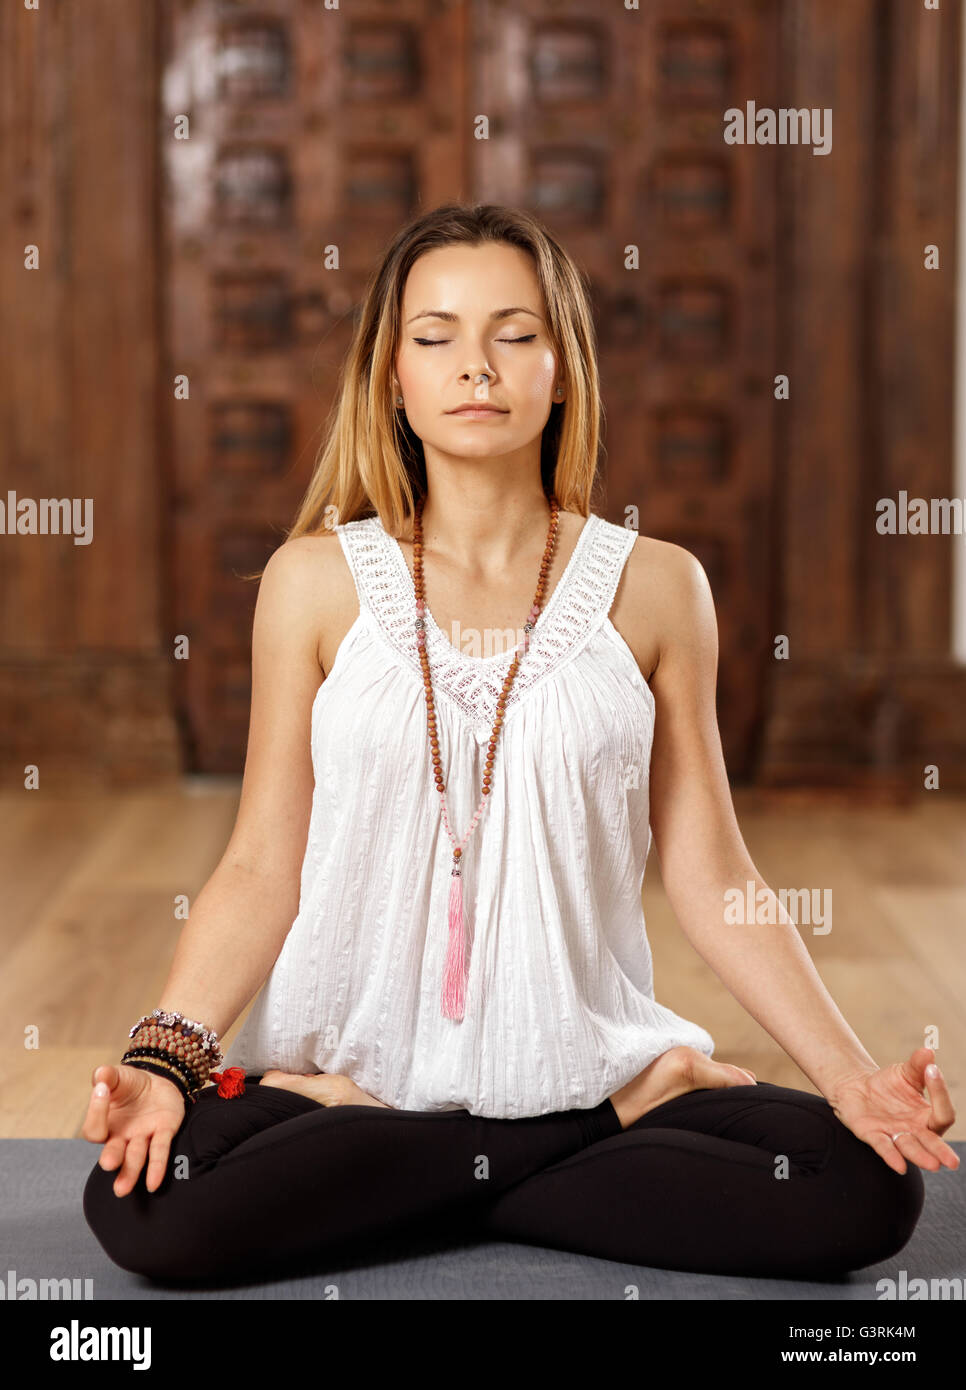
(663, 600)
(303, 560)
(308, 582)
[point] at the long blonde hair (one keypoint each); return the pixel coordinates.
(371, 461)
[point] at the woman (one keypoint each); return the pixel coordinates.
(458, 1030)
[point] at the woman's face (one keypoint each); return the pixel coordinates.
(440, 360)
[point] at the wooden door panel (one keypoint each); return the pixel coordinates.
(314, 128)
(610, 127)
(308, 129)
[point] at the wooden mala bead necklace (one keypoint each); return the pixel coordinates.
(454, 977)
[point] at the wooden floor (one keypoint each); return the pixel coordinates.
(88, 931)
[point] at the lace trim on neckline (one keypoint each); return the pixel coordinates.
(473, 685)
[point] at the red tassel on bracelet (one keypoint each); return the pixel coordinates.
(231, 1083)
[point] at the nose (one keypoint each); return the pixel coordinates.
(481, 379)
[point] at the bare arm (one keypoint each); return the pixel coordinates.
(765, 966)
(241, 917)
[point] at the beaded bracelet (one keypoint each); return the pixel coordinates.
(177, 1048)
(169, 1018)
(184, 1048)
(160, 1068)
(160, 1054)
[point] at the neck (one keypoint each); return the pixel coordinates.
(481, 524)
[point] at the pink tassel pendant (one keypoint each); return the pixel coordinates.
(454, 979)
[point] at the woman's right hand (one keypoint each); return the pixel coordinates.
(135, 1114)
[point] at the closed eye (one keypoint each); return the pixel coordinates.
(435, 342)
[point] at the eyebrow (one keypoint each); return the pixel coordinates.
(454, 318)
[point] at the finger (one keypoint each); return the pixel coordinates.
(887, 1150)
(947, 1157)
(914, 1070)
(943, 1112)
(912, 1148)
(112, 1155)
(157, 1160)
(95, 1127)
(133, 1162)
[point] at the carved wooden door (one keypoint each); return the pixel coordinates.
(289, 129)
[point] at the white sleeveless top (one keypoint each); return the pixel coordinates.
(559, 1010)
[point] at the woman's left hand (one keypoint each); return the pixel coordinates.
(876, 1105)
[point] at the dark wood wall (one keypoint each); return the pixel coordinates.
(201, 260)
(870, 695)
(85, 650)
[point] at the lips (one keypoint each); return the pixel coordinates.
(476, 410)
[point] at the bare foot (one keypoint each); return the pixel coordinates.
(322, 1087)
(674, 1073)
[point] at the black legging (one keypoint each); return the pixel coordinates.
(275, 1181)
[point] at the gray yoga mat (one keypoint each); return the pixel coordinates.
(43, 1235)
